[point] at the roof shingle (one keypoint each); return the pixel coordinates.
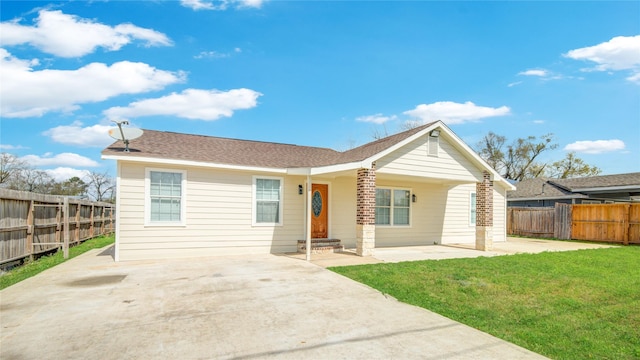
(200, 148)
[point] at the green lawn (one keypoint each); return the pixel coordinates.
(565, 305)
(32, 268)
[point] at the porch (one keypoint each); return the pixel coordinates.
(513, 245)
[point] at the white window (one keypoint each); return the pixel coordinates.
(472, 209)
(393, 207)
(267, 201)
(165, 197)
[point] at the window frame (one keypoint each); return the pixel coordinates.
(147, 198)
(254, 201)
(473, 208)
(392, 207)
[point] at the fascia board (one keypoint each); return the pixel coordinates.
(608, 188)
(192, 163)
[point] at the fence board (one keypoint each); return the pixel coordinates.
(562, 221)
(35, 223)
(537, 222)
(614, 223)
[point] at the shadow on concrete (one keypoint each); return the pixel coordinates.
(110, 251)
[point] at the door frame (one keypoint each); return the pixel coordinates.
(328, 203)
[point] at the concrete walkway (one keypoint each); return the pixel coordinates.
(223, 308)
(512, 246)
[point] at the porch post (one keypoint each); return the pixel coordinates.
(484, 213)
(366, 212)
(308, 219)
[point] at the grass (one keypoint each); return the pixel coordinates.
(35, 267)
(565, 305)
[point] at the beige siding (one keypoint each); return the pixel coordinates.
(218, 217)
(499, 214)
(343, 210)
(450, 164)
(426, 213)
(457, 226)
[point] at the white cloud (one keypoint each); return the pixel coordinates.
(66, 173)
(455, 113)
(11, 147)
(220, 4)
(595, 147)
(63, 159)
(635, 78)
(619, 53)
(211, 55)
(75, 134)
(535, 72)
(538, 121)
(190, 104)
(71, 36)
(514, 83)
(250, 3)
(30, 93)
(376, 119)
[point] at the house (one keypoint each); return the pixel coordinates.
(606, 189)
(181, 195)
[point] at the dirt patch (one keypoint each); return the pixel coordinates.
(97, 280)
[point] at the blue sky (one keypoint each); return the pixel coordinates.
(317, 73)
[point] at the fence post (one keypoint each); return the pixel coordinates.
(65, 212)
(76, 233)
(626, 224)
(31, 229)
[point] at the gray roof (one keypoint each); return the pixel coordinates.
(200, 148)
(604, 181)
(567, 188)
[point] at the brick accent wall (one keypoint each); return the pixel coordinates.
(484, 201)
(366, 197)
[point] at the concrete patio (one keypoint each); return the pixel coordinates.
(245, 307)
(513, 245)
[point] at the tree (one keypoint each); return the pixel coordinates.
(571, 167)
(490, 149)
(32, 180)
(101, 186)
(520, 160)
(10, 167)
(71, 187)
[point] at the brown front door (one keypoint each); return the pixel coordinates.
(319, 211)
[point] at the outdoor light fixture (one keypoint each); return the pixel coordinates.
(434, 133)
(300, 190)
(414, 198)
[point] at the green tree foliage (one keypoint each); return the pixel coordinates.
(520, 159)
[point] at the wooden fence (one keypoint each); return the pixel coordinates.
(615, 223)
(32, 224)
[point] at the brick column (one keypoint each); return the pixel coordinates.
(484, 213)
(366, 212)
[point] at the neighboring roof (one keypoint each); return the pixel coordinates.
(211, 149)
(545, 188)
(539, 188)
(603, 182)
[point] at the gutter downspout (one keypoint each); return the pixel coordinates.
(308, 218)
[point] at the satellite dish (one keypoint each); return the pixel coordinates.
(125, 134)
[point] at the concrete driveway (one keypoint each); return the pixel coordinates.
(223, 308)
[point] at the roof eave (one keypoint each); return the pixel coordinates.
(574, 196)
(164, 161)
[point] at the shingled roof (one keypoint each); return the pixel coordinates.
(562, 188)
(604, 181)
(218, 150)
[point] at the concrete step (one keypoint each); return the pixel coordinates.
(321, 246)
